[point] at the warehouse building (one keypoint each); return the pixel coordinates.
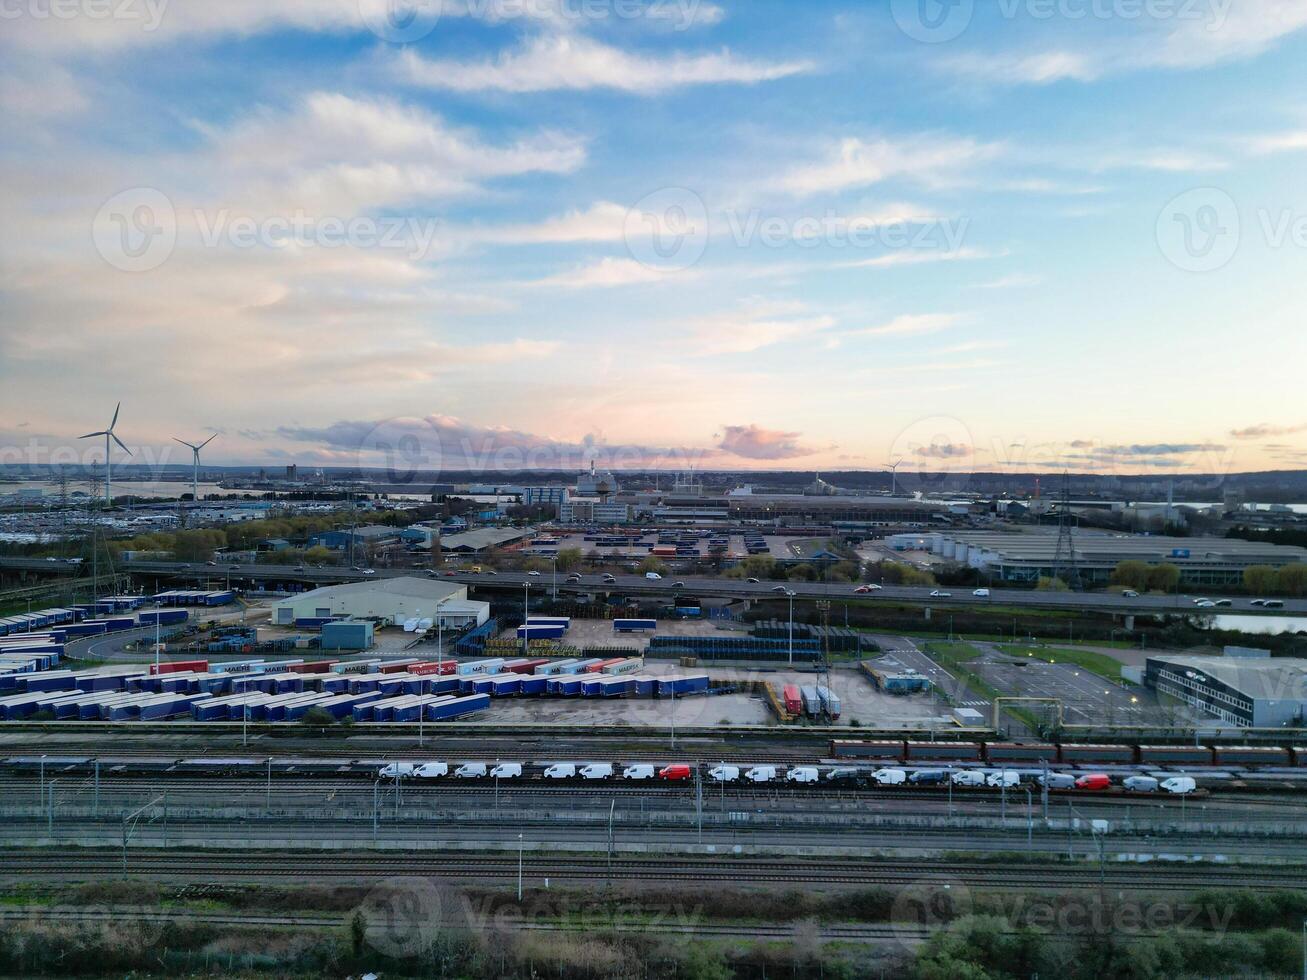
(592, 510)
(389, 602)
(1243, 691)
(361, 537)
(485, 539)
(1026, 554)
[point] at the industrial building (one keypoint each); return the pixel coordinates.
(536, 496)
(1025, 554)
(592, 510)
(371, 534)
(388, 601)
(484, 539)
(1243, 691)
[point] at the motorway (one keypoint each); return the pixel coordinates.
(638, 585)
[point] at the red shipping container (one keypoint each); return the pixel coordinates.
(180, 666)
(529, 667)
(597, 668)
(793, 700)
(446, 667)
(396, 667)
(317, 667)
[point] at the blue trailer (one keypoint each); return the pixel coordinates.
(592, 685)
(456, 707)
(532, 686)
(616, 687)
(442, 685)
(506, 685)
(645, 687)
(164, 617)
(567, 686)
(541, 631)
(681, 686)
(635, 625)
(564, 621)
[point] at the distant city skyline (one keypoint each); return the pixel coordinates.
(498, 234)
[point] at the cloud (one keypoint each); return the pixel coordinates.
(934, 160)
(752, 442)
(609, 272)
(912, 324)
(1205, 35)
(434, 443)
(944, 450)
(920, 256)
(574, 62)
(1015, 281)
(1280, 142)
(1265, 431)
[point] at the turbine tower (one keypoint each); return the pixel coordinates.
(195, 456)
(108, 434)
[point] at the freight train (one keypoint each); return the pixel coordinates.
(1066, 753)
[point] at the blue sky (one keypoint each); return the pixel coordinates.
(1014, 234)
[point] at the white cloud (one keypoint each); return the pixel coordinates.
(574, 62)
(751, 330)
(1014, 281)
(601, 222)
(609, 272)
(1280, 142)
(919, 256)
(853, 162)
(911, 325)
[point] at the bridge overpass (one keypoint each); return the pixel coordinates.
(703, 586)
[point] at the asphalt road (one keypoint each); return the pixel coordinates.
(220, 575)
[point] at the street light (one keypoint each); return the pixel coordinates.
(519, 868)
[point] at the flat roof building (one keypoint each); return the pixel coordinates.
(1243, 691)
(390, 601)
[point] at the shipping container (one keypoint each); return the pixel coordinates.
(458, 707)
(1014, 752)
(1252, 755)
(598, 666)
(1191, 755)
(1124, 754)
(347, 635)
(553, 667)
(541, 631)
(506, 685)
(792, 700)
(470, 667)
(635, 625)
(180, 666)
(526, 666)
(830, 702)
(533, 685)
(439, 667)
(682, 686)
(567, 685)
(314, 667)
(811, 702)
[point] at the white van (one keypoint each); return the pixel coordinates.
(1003, 779)
(724, 774)
(890, 777)
(431, 770)
(1140, 784)
(471, 770)
(981, 593)
(396, 770)
(639, 771)
(1180, 785)
(968, 777)
(653, 576)
(761, 774)
(596, 770)
(559, 770)
(1057, 780)
(803, 774)
(506, 770)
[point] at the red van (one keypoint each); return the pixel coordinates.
(677, 771)
(1094, 780)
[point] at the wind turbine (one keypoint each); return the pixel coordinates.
(108, 434)
(195, 455)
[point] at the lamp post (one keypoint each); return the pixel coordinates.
(519, 868)
(526, 615)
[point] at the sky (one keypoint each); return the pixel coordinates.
(825, 235)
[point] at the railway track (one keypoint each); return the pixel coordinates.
(198, 865)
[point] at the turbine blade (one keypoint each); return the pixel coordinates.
(92, 435)
(207, 441)
(115, 417)
(182, 441)
(120, 443)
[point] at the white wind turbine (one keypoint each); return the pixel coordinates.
(195, 456)
(108, 434)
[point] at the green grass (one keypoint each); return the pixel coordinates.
(1092, 661)
(954, 658)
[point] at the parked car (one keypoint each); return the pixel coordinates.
(431, 770)
(752, 581)
(1003, 779)
(676, 772)
(369, 571)
(506, 770)
(1179, 785)
(928, 777)
(396, 770)
(1094, 780)
(760, 774)
(678, 585)
(596, 770)
(533, 573)
(937, 594)
(981, 593)
(653, 576)
(1057, 780)
(472, 770)
(724, 774)
(968, 777)
(560, 770)
(890, 777)
(1140, 784)
(803, 774)
(639, 771)
(846, 776)
(1129, 594)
